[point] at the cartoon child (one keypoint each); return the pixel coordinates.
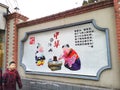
(39, 57)
(72, 60)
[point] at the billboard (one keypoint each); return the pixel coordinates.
(78, 50)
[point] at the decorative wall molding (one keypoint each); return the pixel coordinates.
(91, 77)
(16, 15)
(117, 16)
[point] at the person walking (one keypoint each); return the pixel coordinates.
(11, 77)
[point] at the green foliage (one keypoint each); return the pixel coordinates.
(84, 2)
(91, 1)
(88, 2)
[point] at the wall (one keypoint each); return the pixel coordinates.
(3, 10)
(104, 19)
(104, 15)
(11, 36)
(117, 14)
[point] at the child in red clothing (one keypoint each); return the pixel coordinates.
(10, 77)
(72, 60)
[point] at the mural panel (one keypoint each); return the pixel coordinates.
(79, 50)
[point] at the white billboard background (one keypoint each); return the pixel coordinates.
(93, 56)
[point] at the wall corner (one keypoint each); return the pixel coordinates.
(12, 36)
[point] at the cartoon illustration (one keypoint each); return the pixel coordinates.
(39, 57)
(72, 60)
(50, 45)
(54, 42)
(54, 64)
(32, 40)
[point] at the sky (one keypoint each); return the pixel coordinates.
(34, 9)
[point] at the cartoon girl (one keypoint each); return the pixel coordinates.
(72, 60)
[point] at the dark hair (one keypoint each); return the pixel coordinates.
(67, 45)
(54, 58)
(12, 62)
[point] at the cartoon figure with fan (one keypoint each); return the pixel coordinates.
(72, 60)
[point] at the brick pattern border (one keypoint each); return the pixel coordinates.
(15, 36)
(16, 19)
(117, 14)
(7, 42)
(16, 15)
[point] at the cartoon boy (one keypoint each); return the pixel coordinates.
(39, 56)
(72, 60)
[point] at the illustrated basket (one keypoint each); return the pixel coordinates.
(55, 65)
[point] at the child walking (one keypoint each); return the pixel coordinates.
(10, 77)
